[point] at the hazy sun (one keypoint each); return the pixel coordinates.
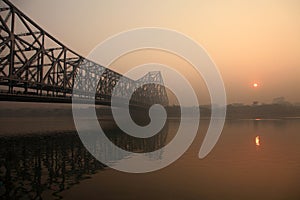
(255, 85)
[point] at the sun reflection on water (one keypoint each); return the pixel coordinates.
(257, 141)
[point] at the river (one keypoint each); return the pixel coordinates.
(253, 159)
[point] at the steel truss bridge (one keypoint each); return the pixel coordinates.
(35, 66)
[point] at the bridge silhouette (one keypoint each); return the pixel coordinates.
(36, 67)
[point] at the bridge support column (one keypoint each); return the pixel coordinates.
(12, 51)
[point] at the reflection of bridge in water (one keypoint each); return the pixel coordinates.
(42, 166)
(34, 66)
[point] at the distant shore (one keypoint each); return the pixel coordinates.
(27, 120)
(264, 111)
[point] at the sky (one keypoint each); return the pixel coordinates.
(255, 41)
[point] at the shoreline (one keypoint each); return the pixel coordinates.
(14, 126)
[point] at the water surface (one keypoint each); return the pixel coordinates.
(57, 166)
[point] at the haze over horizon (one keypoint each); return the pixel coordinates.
(250, 41)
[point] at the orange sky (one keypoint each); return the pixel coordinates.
(257, 40)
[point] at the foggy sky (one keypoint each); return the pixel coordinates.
(248, 40)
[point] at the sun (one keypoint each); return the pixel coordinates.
(255, 85)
